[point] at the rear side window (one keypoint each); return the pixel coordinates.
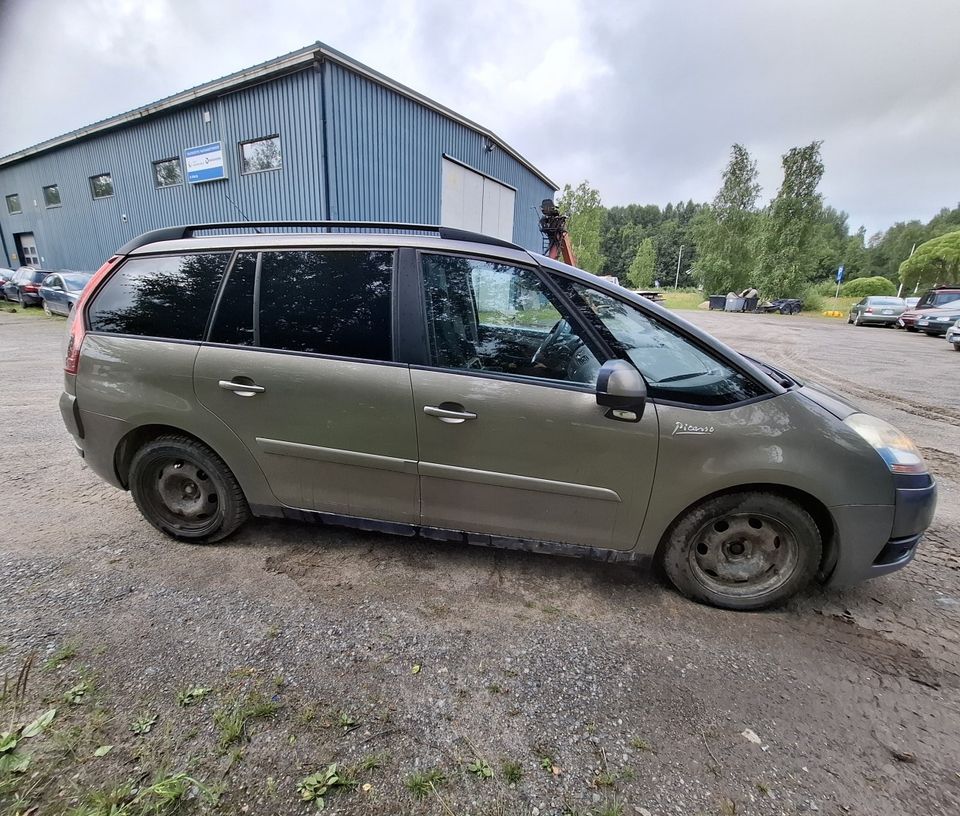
(168, 296)
(36, 277)
(234, 321)
(327, 302)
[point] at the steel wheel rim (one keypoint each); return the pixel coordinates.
(46, 309)
(183, 495)
(744, 555)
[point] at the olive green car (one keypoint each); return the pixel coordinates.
(460, 388)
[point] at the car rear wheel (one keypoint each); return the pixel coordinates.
(856, 320)
(20, 300)
(956, 346)
(186, 491)
(743, 551)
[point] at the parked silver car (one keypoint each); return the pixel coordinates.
(877, 310)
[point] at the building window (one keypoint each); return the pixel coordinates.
(13, 204)
(260, 154)
(101, 186)
(167, 173)
(51, 196)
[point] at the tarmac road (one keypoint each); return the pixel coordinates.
(633, 698)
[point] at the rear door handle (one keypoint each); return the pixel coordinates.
(241, 389)
(449, 412)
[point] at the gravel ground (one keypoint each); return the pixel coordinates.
(609, 692)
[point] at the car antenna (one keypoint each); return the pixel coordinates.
(237, 208)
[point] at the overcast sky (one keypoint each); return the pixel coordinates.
(641, 98)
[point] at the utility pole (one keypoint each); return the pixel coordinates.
(676, 283)
(900, 290)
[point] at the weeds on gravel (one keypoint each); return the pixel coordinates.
(642, 745)
(372, 762)
(317, 786)
(144, 723)
(163, 795)
(480, 769)
(232, 721)
(191, 695)
(423, 784)
(76, 693)
(66, 652)
(512, 772)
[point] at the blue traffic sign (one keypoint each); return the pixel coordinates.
(840, 273)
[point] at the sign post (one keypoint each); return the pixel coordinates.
(839, 281)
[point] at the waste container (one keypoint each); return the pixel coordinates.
(750, 304)
(734, 303)
(717, 302)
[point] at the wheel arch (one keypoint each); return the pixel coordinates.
(816, 508)
(137, 438)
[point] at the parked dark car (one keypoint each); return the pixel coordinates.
(5, 275)
(876, 310)
(931, 299)
(61, 290)
(935, 322)
(24, 286)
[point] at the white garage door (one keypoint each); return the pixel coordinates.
(472, 201)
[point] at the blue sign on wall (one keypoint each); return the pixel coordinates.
(204, 163)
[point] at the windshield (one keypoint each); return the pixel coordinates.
(674, 367)
(885, 301)
(938, 299)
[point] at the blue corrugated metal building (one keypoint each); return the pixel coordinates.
(310, 135)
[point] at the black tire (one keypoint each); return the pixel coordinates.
(742, 551)
(956, 346)
(856, 320)
(47, 310)
(911, 328)
(20, 300)
(186, 491)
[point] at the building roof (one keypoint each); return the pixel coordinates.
(288, 63)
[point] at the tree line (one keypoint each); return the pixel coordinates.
(783, 248)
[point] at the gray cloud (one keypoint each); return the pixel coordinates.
(642, 98)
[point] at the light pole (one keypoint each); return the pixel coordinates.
(676, 283)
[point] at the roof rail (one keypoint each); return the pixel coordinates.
(188, 231)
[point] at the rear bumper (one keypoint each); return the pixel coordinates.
(878, 540)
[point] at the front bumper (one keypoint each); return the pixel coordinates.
(874, 541)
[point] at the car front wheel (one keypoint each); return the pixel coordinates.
(186, 491)
(743, 550)
(46, 309)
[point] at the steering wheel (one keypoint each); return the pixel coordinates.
(542, 356)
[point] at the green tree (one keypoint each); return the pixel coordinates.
(936, 261)
(787, 258)
(641, 269)
(725, 234)
(585, 216)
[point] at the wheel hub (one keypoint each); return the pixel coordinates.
(182, 491)
(744, 554)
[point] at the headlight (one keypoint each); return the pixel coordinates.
(894, 447)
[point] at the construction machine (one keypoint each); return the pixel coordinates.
(556, 239)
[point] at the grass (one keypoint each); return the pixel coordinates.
(231, 721)
(422, 784)
(66, 652)
(681, 300)
(512, 772)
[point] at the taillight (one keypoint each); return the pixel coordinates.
(868, 310)
(77, 328)
(29, 287)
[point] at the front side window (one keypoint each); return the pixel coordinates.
(327, 302)
(101, 186)
(167, 173)
(13, 204)
(493, 317)
(52, 282)
(260, 154)
(51, 196)
(167, 296)
(675, 369)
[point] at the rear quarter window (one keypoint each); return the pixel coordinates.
(166, 296)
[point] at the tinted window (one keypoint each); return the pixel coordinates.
(327, 302)
(51, 196)
(167, 296)
(13, 204)
(884, 301)
(486, 316)
(675, 368)
(36, 277)
(234, 321)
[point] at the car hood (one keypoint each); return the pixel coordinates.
(829, 400)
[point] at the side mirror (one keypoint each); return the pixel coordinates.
(622, 389)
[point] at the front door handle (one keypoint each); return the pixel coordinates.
(449, 412)
(241, 389)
